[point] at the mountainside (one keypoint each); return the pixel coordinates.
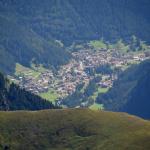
(82, 19)
(19, 42)
(14, 98)
(29, 29)
(113, 19)
(139, 100)
(78, 129)
(131, 92)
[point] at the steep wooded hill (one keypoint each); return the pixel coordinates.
(14, 98)
(131, 92)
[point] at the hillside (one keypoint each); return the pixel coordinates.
(139, 102)
(14, 98)
(113, 19)
(19, 43)
(76, 129)
(131, 92)
(82, 19)
(29, 29)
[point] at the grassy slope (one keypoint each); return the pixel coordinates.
(25, 70)
(50, 96)
(73, 130)
(97, 106)
(98, 44)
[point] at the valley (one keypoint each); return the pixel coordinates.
(87, 63)
(75, 75)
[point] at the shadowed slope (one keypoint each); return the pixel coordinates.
(130, 92)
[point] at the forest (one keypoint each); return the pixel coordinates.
(14, 98)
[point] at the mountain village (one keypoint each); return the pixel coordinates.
(66, 79)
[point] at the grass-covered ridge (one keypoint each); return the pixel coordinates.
(73, 129)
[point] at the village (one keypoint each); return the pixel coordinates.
(65, 81)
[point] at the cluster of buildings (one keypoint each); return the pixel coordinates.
(111, 56)
(38, 84)
(73, 73)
